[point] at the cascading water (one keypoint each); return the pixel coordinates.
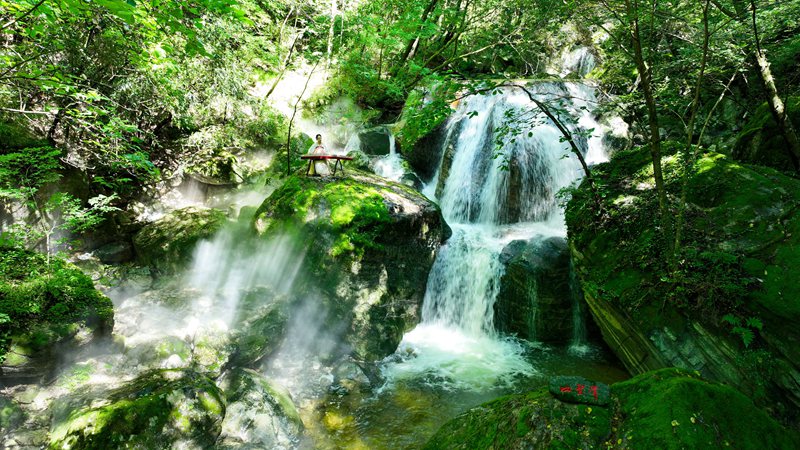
(391, 165)
(498, 188)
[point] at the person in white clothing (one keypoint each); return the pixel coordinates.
(319, 168)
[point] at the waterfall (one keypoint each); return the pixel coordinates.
(503, 166)
(391, 165)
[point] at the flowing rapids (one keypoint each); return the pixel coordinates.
(498, 188)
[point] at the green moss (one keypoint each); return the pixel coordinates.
(168, 243)
(15, 137)
(42, 302)
(11, 415)
(664, 409)
(761, 142)
(153, 411)
(675, 409)
(736, 213)
(353, 212)
(531, 420)
(741, 232)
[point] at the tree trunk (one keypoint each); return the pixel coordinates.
(330, 33)
(652, 115)
(775, 103)
(413, 41)
(776, 106)
(689, 153)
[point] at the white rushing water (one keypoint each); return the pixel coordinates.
(390, 166)
(498, 188)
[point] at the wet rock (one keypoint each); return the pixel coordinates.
(375, 141)
(115, 253)
(159, 409)
(412, 180)
(535, 299)
(360, 160)
(260, 413)
(669, 409)
(167, 244)
(258, 335)
(426, 154)
(369, 245)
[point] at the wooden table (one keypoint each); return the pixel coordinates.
(337, 158)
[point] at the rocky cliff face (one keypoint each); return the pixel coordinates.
(729, 309)
(369, 247)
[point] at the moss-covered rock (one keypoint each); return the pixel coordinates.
(533, 420)
(761, 142)
(15, 137)
(665, 409)
(258, 335)
(46, 306)
(167, 244)
(157, 410)
(260, 413)
(730, 306)
(369, 246)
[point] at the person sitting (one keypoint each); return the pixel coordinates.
(319, 167)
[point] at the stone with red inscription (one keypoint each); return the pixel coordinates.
(579, 390)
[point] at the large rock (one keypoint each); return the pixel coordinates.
(732, 309)
(160, 409)
(260, 413)
(535, 298)
(666, 409)
(761, 142)
(376, 141)
(426, 154)
(369, 245)
(47, 308)
(167, 244)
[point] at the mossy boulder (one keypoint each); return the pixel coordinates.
(761, 142)
(728, 307)
(15, 137)
(665, 409)
(260, 413)
(167, 244)
(47, 306)
(535, 301)
(157, 410)
(258, 335)
(369, 245)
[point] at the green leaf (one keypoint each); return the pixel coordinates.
(755, 322)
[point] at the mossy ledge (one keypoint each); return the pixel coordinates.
(730, 307)
(155, 410)
(665, 409)
(368, 243)
(45, 302)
